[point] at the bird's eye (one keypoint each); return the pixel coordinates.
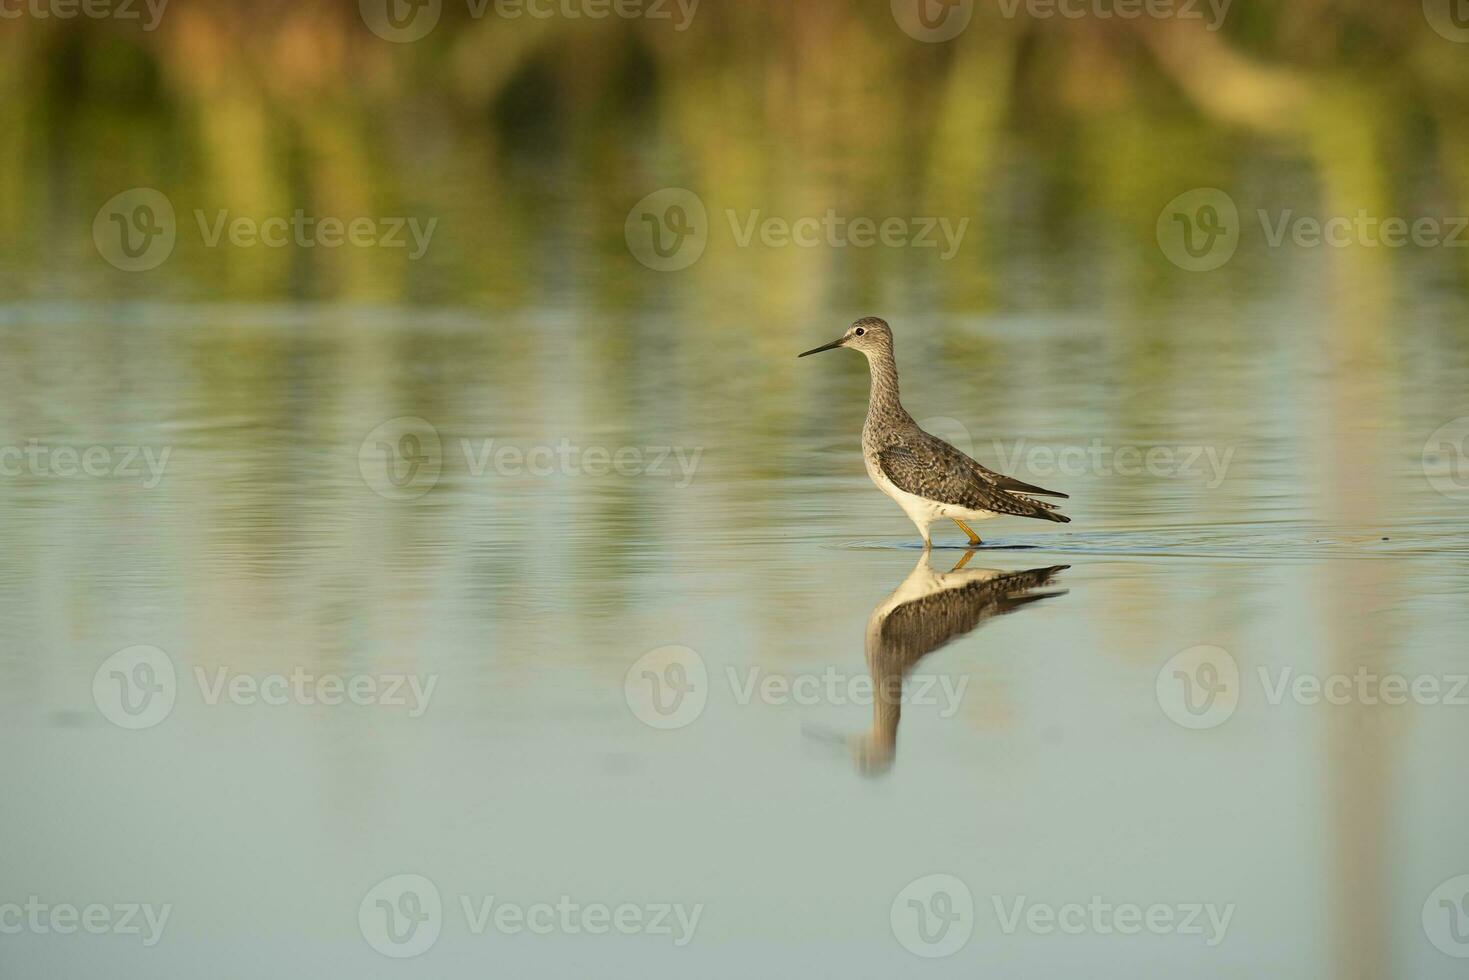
(859, 331)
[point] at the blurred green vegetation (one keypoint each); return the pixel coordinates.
(529, 140)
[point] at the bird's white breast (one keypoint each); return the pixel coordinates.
(920, 510)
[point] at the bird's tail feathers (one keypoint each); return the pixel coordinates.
(1016, 486)
(1045, 511)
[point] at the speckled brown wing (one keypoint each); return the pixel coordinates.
(928, 467)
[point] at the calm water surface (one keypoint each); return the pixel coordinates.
(1287, 518)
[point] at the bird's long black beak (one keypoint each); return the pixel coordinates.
(831, 346)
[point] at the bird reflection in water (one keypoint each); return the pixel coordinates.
(929, 610)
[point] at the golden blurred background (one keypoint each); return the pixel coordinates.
(530, 137)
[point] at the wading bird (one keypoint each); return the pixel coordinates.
(929, 478)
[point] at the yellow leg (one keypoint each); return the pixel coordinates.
(963, 561)
(973, 538)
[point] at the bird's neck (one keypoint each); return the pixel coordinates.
(884, 397)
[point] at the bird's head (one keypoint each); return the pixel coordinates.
(870, 335)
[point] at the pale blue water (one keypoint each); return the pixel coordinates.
(1314, 543)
